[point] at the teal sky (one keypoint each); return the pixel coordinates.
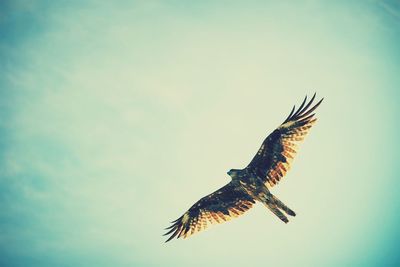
(116, 116)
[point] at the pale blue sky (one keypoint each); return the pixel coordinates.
(117, 116)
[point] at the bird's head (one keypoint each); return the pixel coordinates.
(233, 173)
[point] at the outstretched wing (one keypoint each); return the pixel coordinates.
(273, 159)
(220, 206)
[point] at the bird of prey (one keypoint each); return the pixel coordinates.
(252, 183)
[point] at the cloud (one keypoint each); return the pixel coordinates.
(117, 117)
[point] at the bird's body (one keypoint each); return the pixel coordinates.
(252, 183)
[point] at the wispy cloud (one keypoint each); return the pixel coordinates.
(115, 117)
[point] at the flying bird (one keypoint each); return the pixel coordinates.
(254, 182)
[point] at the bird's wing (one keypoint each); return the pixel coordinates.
(220, 206)
(273, 159)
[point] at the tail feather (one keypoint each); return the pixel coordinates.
(275, 205)
(272, 207)
(283, 206)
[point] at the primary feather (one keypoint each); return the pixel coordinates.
(274, 157)
(217, 207)
(252, 183)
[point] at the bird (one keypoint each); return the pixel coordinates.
(253, 183)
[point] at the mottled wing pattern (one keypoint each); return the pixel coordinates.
(220, 206)
(273, 159)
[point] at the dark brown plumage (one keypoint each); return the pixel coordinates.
(252, 183)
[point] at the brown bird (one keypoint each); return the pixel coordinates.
(252, 183)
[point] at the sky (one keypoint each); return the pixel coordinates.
(116, 116)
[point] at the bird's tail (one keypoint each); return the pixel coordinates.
(275, 205)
